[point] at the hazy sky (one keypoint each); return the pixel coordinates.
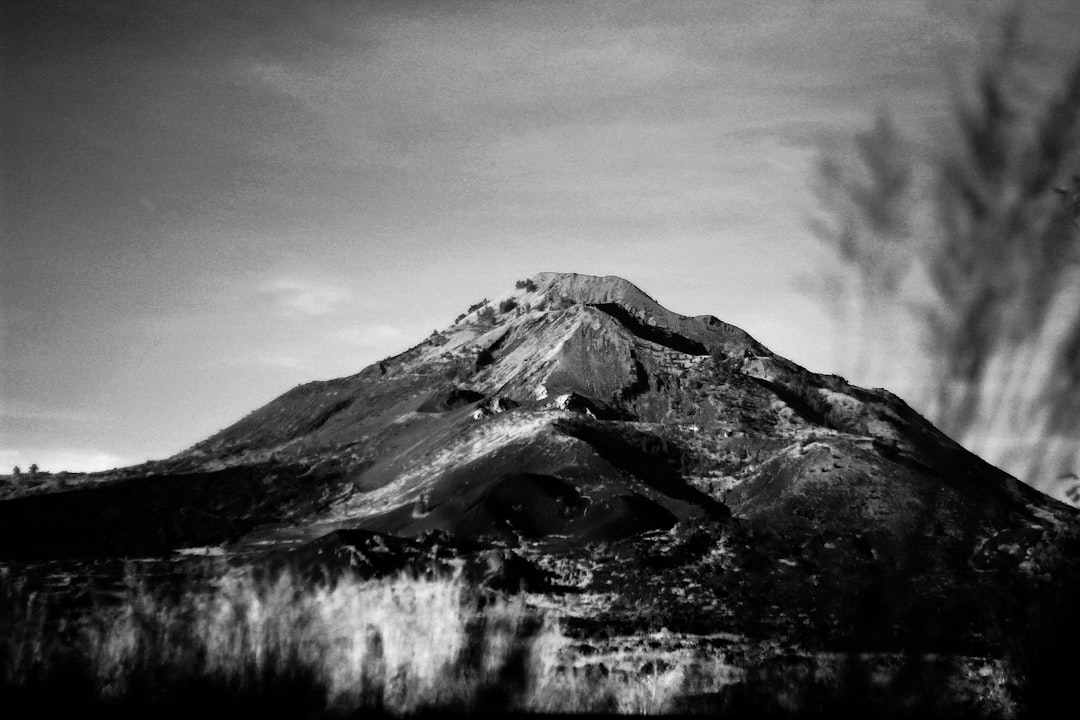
(203, 204)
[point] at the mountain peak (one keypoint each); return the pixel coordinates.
(607, 290)
(593, 289)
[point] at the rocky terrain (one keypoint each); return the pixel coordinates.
(674, 492)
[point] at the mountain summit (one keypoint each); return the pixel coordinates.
(595, 442)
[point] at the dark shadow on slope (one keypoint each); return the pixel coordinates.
(324, 416)
(799, 400)
(651, 459)
(446, 399)
(486, 356)
(652, 333)
(536, 488)
(527, 504)
(640, 385)
(533, 506)
(154, 515)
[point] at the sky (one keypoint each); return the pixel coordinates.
(204, 204)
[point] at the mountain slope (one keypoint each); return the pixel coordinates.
(671, 464)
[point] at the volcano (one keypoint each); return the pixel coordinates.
(596, 443)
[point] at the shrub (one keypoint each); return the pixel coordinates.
(487, 315)
(527, 285)
(507, 305)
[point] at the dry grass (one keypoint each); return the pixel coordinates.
(277, 646)
(400, 645)
(280, 646)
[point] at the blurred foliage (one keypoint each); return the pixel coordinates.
(969, 235)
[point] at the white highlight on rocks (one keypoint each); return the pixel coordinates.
(483, 439)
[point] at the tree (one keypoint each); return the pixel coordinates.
(17, 471)
(868, 190)
(970, 235)
(33, 470)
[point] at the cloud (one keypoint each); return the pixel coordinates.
(296, 297)
(17, 412)
(422, 98)
(592, 111)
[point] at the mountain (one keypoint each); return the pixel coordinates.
(597, 442)
(579, 392)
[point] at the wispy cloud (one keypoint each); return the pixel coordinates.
(297, 297)
(15, 412)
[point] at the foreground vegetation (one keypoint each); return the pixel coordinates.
(275, 645)
(968, 232)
